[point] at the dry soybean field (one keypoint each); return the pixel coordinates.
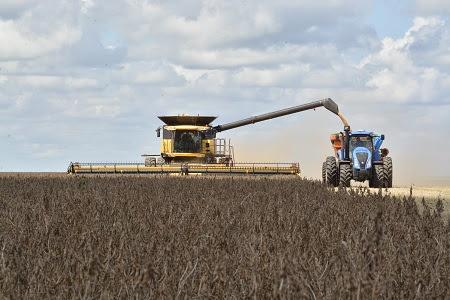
(165, 237)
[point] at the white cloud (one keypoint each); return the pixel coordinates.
(433, 7)
(22, 43)
(399, 72)
(86, 5)
(43, 82)
(88, 107)
(285, 75)
(150, 74)
(13, 8)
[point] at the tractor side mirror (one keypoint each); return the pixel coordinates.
(158, 132)
(382, 137)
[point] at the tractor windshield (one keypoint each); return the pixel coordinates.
(361, 141)
(187, 141)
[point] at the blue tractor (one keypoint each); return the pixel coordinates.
(359, 157)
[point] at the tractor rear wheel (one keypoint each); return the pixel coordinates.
(331, 171)
(345, 175)
(377, 180)
(388, 170)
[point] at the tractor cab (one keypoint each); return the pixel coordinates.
(361, 141)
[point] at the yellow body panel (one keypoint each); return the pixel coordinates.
(77, 168)
(193, 155)
(166, 146)
(210, 149)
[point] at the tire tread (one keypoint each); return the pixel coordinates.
(345, 175)
(388, 170)
(331, 171)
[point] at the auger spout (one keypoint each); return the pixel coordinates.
(328, 103)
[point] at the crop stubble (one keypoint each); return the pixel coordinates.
(103, 237)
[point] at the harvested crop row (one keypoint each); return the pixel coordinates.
(74, 237)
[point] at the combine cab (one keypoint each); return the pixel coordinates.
(358, 156)
(189, 139)
(189, 145)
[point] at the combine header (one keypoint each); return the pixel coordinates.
(189, 146)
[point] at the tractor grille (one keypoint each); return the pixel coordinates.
(362, 159)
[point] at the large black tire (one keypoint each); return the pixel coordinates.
(331, 171)
(388, 170)
(324, 172)
(377, 180)
(345, 175)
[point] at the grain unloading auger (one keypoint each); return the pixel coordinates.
(189, 145)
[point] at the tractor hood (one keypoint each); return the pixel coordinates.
(362, 158)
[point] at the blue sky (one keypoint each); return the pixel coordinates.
(88, 85)
(391, 18)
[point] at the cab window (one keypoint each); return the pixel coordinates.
(187, 141)
(361, 141)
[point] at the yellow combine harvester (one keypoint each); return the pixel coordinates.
(189, 145)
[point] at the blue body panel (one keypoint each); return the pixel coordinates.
(377, 142)
(362, 158)
(365, 164)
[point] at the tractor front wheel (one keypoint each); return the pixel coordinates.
(331, 171)
(345, 175)
(377, 180)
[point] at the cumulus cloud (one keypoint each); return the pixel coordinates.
(20, 43)
(10, 9)
(433, 7)
(402, 70)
